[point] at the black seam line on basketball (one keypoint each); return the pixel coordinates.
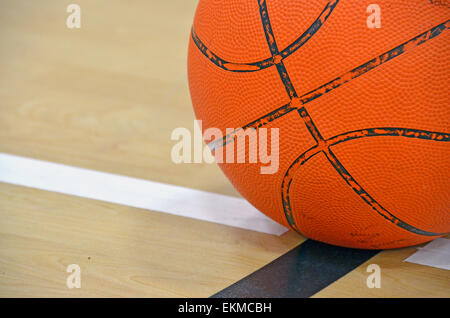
(271, 41)
(380, 60)
(286, 82)
(356, 72)
(357, 134)
(331, 86)
(313, 128)
(229, 66)
(260, 65)
(290, 90)
(268, 32)
(359, 190)
(312, 30)
(310, 125)
(277, 113)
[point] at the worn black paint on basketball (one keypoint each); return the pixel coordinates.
(325, 148)
(278, 61)
(260, 65)
(302, 272)
(337, 82)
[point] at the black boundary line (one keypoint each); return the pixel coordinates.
(300, 273)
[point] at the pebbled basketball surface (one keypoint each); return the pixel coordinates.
(363, 114)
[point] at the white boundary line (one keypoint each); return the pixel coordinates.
(134, 192)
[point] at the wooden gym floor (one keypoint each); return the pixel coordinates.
(107, 97)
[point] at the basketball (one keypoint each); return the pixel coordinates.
(357, 96)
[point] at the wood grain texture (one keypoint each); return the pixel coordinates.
(122, 251)
(398, 278)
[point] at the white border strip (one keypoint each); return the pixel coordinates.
(134, 192)
(435, 254)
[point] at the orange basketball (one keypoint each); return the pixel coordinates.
(360, 96)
